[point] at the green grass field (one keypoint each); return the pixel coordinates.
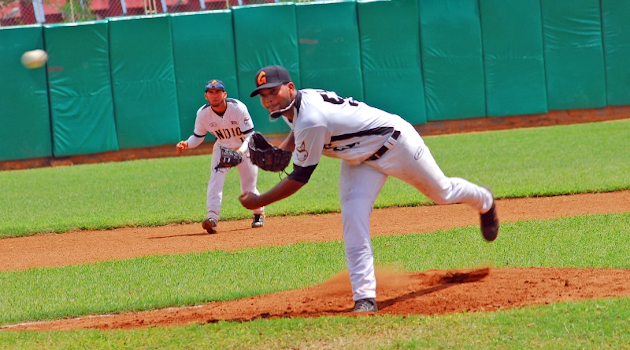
(515, 163)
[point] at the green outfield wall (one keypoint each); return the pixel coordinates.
(24, 114)
(265, 34)
(616, 35)
(329, 47)
(135, 82)
(514, 66)
(143, 81)
(390, 56)
(452, 58)
(202, 51)
(80, 89)
(574, 54)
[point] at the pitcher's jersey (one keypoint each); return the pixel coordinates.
(230, 128)
(326, 124)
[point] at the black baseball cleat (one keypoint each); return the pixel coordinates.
(258, 220)
(365, 305)
(490, 224)
(209, 225)
(490, 221)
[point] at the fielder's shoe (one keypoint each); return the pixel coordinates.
(490, 222)
(365, 305)
(209, 225)
(258, 220)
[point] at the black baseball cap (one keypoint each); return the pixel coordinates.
(270, 77)
(215, 84)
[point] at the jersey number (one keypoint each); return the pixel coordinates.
(338, 100)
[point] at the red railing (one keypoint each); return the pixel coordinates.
(23, 12)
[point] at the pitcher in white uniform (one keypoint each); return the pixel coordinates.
(372, 145)
(229, 121)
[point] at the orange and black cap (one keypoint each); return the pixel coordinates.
(270, 77)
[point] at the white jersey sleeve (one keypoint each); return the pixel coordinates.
(199, 131)
(308, 150)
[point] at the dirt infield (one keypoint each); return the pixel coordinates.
(428, 292)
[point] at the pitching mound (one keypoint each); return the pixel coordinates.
(402, 293)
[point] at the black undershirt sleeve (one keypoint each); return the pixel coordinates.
(302, 174)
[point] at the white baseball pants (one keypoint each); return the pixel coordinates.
(410, 161)
(248, 174)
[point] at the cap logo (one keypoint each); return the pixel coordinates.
(262, 78)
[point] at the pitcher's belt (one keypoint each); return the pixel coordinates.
(388, 144)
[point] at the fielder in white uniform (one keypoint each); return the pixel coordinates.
(372, 145)
(229, 121)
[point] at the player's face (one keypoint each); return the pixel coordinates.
(216, 97)
(276, 98)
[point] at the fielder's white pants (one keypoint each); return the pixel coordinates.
(410, 161)
(248, 174)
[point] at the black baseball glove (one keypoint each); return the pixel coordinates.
(229, 158)
(266, 156)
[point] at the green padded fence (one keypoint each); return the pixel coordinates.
(203, 49)
(574, 57)
(24, 115)
(615, 15)
(132, 82)
(390, 53)
(450, 33)
(265, 35)
(81, 104)
(329, 47)
(143, 80)
(513, 57)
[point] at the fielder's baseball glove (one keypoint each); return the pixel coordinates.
(266, 156)
(229, 158)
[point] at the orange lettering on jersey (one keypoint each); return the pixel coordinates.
(262, 78)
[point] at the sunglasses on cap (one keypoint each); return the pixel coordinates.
(215, 85)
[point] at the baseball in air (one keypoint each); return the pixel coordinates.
(34, 58)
